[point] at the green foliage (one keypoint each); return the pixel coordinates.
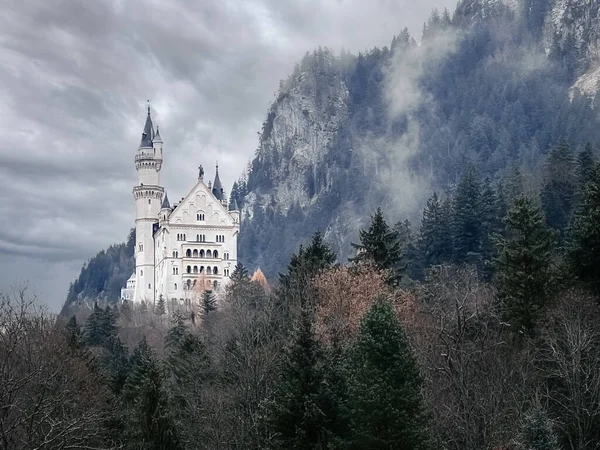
(149, 420)
(380, 246)
(384, 386)
(524, 270)
(297, 413)
(538, 431)
(209, 303)
(583, 255)
(466, 223)
(100, 326)
(160, 308)
(73, 333)
(434, 246)
(559, 191)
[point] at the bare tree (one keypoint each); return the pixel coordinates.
(568, 361)
(49, 399)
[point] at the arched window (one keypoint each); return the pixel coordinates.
(215, 284)
(141, 272)
(175, 286)
(200, 217)
(189, 269)
(226, 256)
(149, 201)
(173, 270)
(208, 254)
(174, 253)
(195, 254)
(201, 269)
(201, 253)
(189, 284)
(197, 238)
(226, 272)
(208, 271)
(195, 269)
(215, 254)
(188, 253)
(184, 237)
(215, 270)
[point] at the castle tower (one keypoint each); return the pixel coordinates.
(148, 195)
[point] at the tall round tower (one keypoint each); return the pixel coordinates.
(148, 195)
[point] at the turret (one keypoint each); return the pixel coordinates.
(234, 211)
(149, 198)
(165, 209)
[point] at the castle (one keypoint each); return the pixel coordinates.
(183, 249)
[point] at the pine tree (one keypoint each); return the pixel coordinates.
(523, 267)
(384, 386)
(187, 357)
(585, 170)
(240, 273)
(380, 245)
(491, 221)
(73, 333)
(583, 256)
(93, 324)
(297, 414)
(149, 419)
(209, 303)
(559, 190)
(161, 307)
(466, 220)
(538, 432)
(435, 246)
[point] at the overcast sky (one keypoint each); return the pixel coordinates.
(74, 79)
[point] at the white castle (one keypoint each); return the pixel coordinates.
(183, 249)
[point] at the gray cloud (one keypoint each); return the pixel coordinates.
(74, 78)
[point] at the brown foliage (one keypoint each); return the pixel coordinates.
(344, 295)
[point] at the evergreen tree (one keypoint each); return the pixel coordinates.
(435, 246)
(491, 221)
(240, 273)
(298, 413)
(384, 386)
(466, 220)
(523, 267)
(73, 333)
(100, 326)
(559, 190)
(126, 310)
(380, 245)
(187, 357)
(161, 307)
(538, 431)
(585, 170)
(583, 256)
(149, 420)
(209, 303)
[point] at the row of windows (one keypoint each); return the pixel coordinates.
(175, 270)
(189, 285)
(180, 237)
(201, 254)
(200, 237)
(200, 217)
(220, 238)
(209, 270)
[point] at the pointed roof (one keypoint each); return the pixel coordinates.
(165, 203)
(233, 206)
(157, 137)
(148, 133)
(217, 188)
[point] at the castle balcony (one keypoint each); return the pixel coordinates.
(147, 157)
(127, 294)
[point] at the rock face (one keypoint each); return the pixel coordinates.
(334, 147)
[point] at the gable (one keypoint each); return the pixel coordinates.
(200, 201)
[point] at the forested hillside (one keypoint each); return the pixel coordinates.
(494, 86)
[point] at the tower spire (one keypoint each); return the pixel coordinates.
(217, 188)
(148, 133)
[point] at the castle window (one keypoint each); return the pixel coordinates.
(226, 272)
(215, 284)
(189, 269)
(215, 270)
(174, 253)
(175, 286)
(189, 284)
(195, 254)
(195, 269)
(201, 253)
(149, 286)
(149, 201)
(208, 271)
(226, 256)
(200, 217)
(208, 254)
(173, 270)
(197, 238)
(201, 269)
(141, 272)
(188, 253)
(215, 254)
